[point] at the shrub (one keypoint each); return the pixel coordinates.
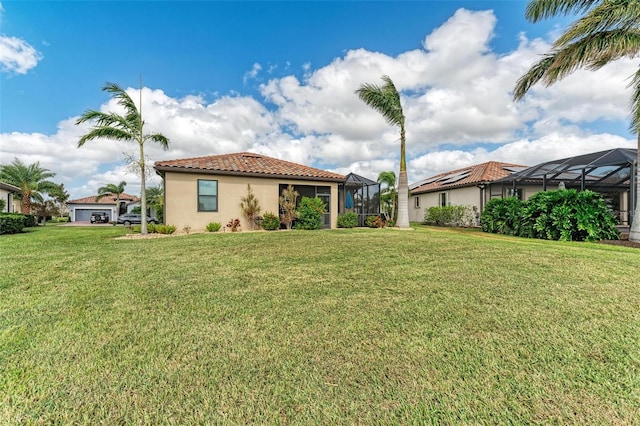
(234, 225)
(566, 214)
(448, 215)
(270, 221)
(152, 228)
(503, 216)
(11, 223)
(310, 213)
(166, 229)
(30, 220)
(3, 204)
(136, 229)
(375, 222)
(348, 220)
(213, 227)
(570, 215)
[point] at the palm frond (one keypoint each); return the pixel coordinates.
(634, 126)
(607, 16)
(538, 10)
(384, 99)
(158, 138)
(592, 52)
(106, 132)
(534, 75)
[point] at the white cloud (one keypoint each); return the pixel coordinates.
(457, 97)
(17, 56)
(253, 73)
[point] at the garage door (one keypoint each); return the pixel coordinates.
(84, 215)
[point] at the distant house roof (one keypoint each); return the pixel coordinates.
(246, 164)
(467, 176)
(9, 187)
(109, 199)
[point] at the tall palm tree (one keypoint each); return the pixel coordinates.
(608, 30)
(31, 179)
(129, 127)
(112, 189)
(386, 100)
(389, 195)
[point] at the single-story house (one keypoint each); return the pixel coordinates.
(80, 210)
(7, 192)
(202, 190)
(468, 186)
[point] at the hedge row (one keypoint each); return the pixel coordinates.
(566, 215)
(13, 223)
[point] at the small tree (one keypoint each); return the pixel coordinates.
(250, 207)
(288, 206)
(114, 190)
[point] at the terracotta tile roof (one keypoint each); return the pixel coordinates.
(104, 200)
(247, 163)
(467, 176)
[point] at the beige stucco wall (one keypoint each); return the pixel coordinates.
(467, 196)
(181, 195)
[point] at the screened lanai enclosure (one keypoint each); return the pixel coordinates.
(611, 173)
(359, 195)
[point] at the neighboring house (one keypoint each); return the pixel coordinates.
(471, 186)
(80, 210)
(202, 190)
(7, 193)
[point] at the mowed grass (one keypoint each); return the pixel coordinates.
(431, 326)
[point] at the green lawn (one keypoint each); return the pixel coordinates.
(348, 326)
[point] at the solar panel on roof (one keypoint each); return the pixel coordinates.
(454, 177)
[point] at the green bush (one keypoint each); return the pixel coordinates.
(166, 229)
(310, 211)
(348, 220)
(3, 204)
(567, 215)
(448, 215)
(213, 227)
(503, 216)
(270, 221)
(11, 223)
(30, 220)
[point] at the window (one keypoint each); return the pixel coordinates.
(207, 195)
(443, 199)
(416, 202)
(515, 193)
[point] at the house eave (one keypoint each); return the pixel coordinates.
(160, 170)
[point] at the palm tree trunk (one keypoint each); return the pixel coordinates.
(403, 200)
(634, 232)
(143, 194)
(403, 185)
(25, 205)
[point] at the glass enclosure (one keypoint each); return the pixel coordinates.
(359, 195)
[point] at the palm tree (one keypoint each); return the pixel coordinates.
(607, 30)
(389, 195)
(115, 190)
(130, 128)
(386, 100)
(30, 179)
(155, 199)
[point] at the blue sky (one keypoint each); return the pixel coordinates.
(278, 78)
